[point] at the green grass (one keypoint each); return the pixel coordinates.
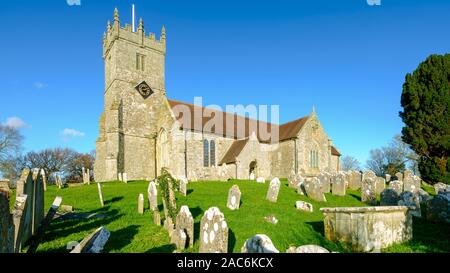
(135, 233)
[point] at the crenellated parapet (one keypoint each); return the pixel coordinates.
(115, 32)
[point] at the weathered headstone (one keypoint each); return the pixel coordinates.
(380, 184)
(179, 238)
(355, 180)
(169, 226)
(260, 243)
(183, 186)
(410, 199)
(120, 177)
(399, 176)
(100, 194)
(438, 208)
(389, 197)
(397, 186)
(438, 187)
(94, 243)
(44, 179)
(307, 249)
(261, 180)
(314, 190)
(19, 220)
(234, 198)
(368, 193)
(410, 182)
(66, 208)
(325, 182)
(252, 176)
(6, 226)
(301, 188)
(294, 180)
(302, 205)
(141, 203)
(185, 223)
(274, 188)
(213, 232)
(152, 194)
(388, 177)
(38, 206)
(338, 185)
(271, 219)
(156, 217)
(368, 174)
(125, 177)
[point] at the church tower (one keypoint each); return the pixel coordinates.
(133, 95)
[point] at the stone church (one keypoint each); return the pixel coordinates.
(143, 131)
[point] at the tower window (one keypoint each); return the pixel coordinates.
(140, 62)
(212, 152)
(205, 153)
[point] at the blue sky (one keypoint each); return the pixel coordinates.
(347, 58)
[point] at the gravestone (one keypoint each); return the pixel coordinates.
(141, 203)
(325, 182)
(185, 223)
(301, 188)
(302, 205)
(44, 179)
(438, 208)
(397, 186)
(124, 177)
(120, 177)
(213, 232)
(410, 199)
(19, 220)
(410, 182)
(368, 193)
(389, 197)
(152, 194)
(355, 180)
(438, 187)
(260, 243)
(295, 180)
(179, 238)
(183, 186)
(380, 184)
(83, 172)
(271, 219)
(6, 226)
(38, 205)
(261, 180)
(399, 176)
(100, 194)
(307, 249)
(313, 190)
(234, 198)
(252, 176)
(338, 184)
(169, 226)
(368, 174)
(274, 188)
(94, 243)
(388, 177)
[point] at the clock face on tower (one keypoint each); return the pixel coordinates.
(144, 89)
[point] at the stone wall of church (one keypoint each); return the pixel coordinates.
(283, 159)
(254, 151)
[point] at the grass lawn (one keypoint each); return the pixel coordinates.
(131, 232)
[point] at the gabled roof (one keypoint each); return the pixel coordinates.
(334, 151)
(286, 131)
(234, 151)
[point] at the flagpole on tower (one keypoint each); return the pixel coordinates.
(133, 15)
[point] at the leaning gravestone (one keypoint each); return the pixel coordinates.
(234, 198)
(302, 205)
(39, 212)
(185, 223)
(325, 184)
(141, 203)
(274, 188)
(152, 194)
(213, 232)
(380, 184)
(6, 226)
(397, 186)
(94, 243)
(19, 220)
(338, 185)
(368, 193)
(410, 199)
(260, 243)
(389, 197)
(314, 190)
(44, 179)
(183, 186)
(355, 180)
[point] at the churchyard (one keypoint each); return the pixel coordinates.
(288, 219)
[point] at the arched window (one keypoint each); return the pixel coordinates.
(212, 153)
(205, 153)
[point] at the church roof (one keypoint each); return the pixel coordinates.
(334, 151)
(234, 151)
(286, 131)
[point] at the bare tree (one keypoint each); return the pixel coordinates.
(75, 165)
(395, 157)
(10, 141)
(12, 167)
(51, 160)
(350, 163)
